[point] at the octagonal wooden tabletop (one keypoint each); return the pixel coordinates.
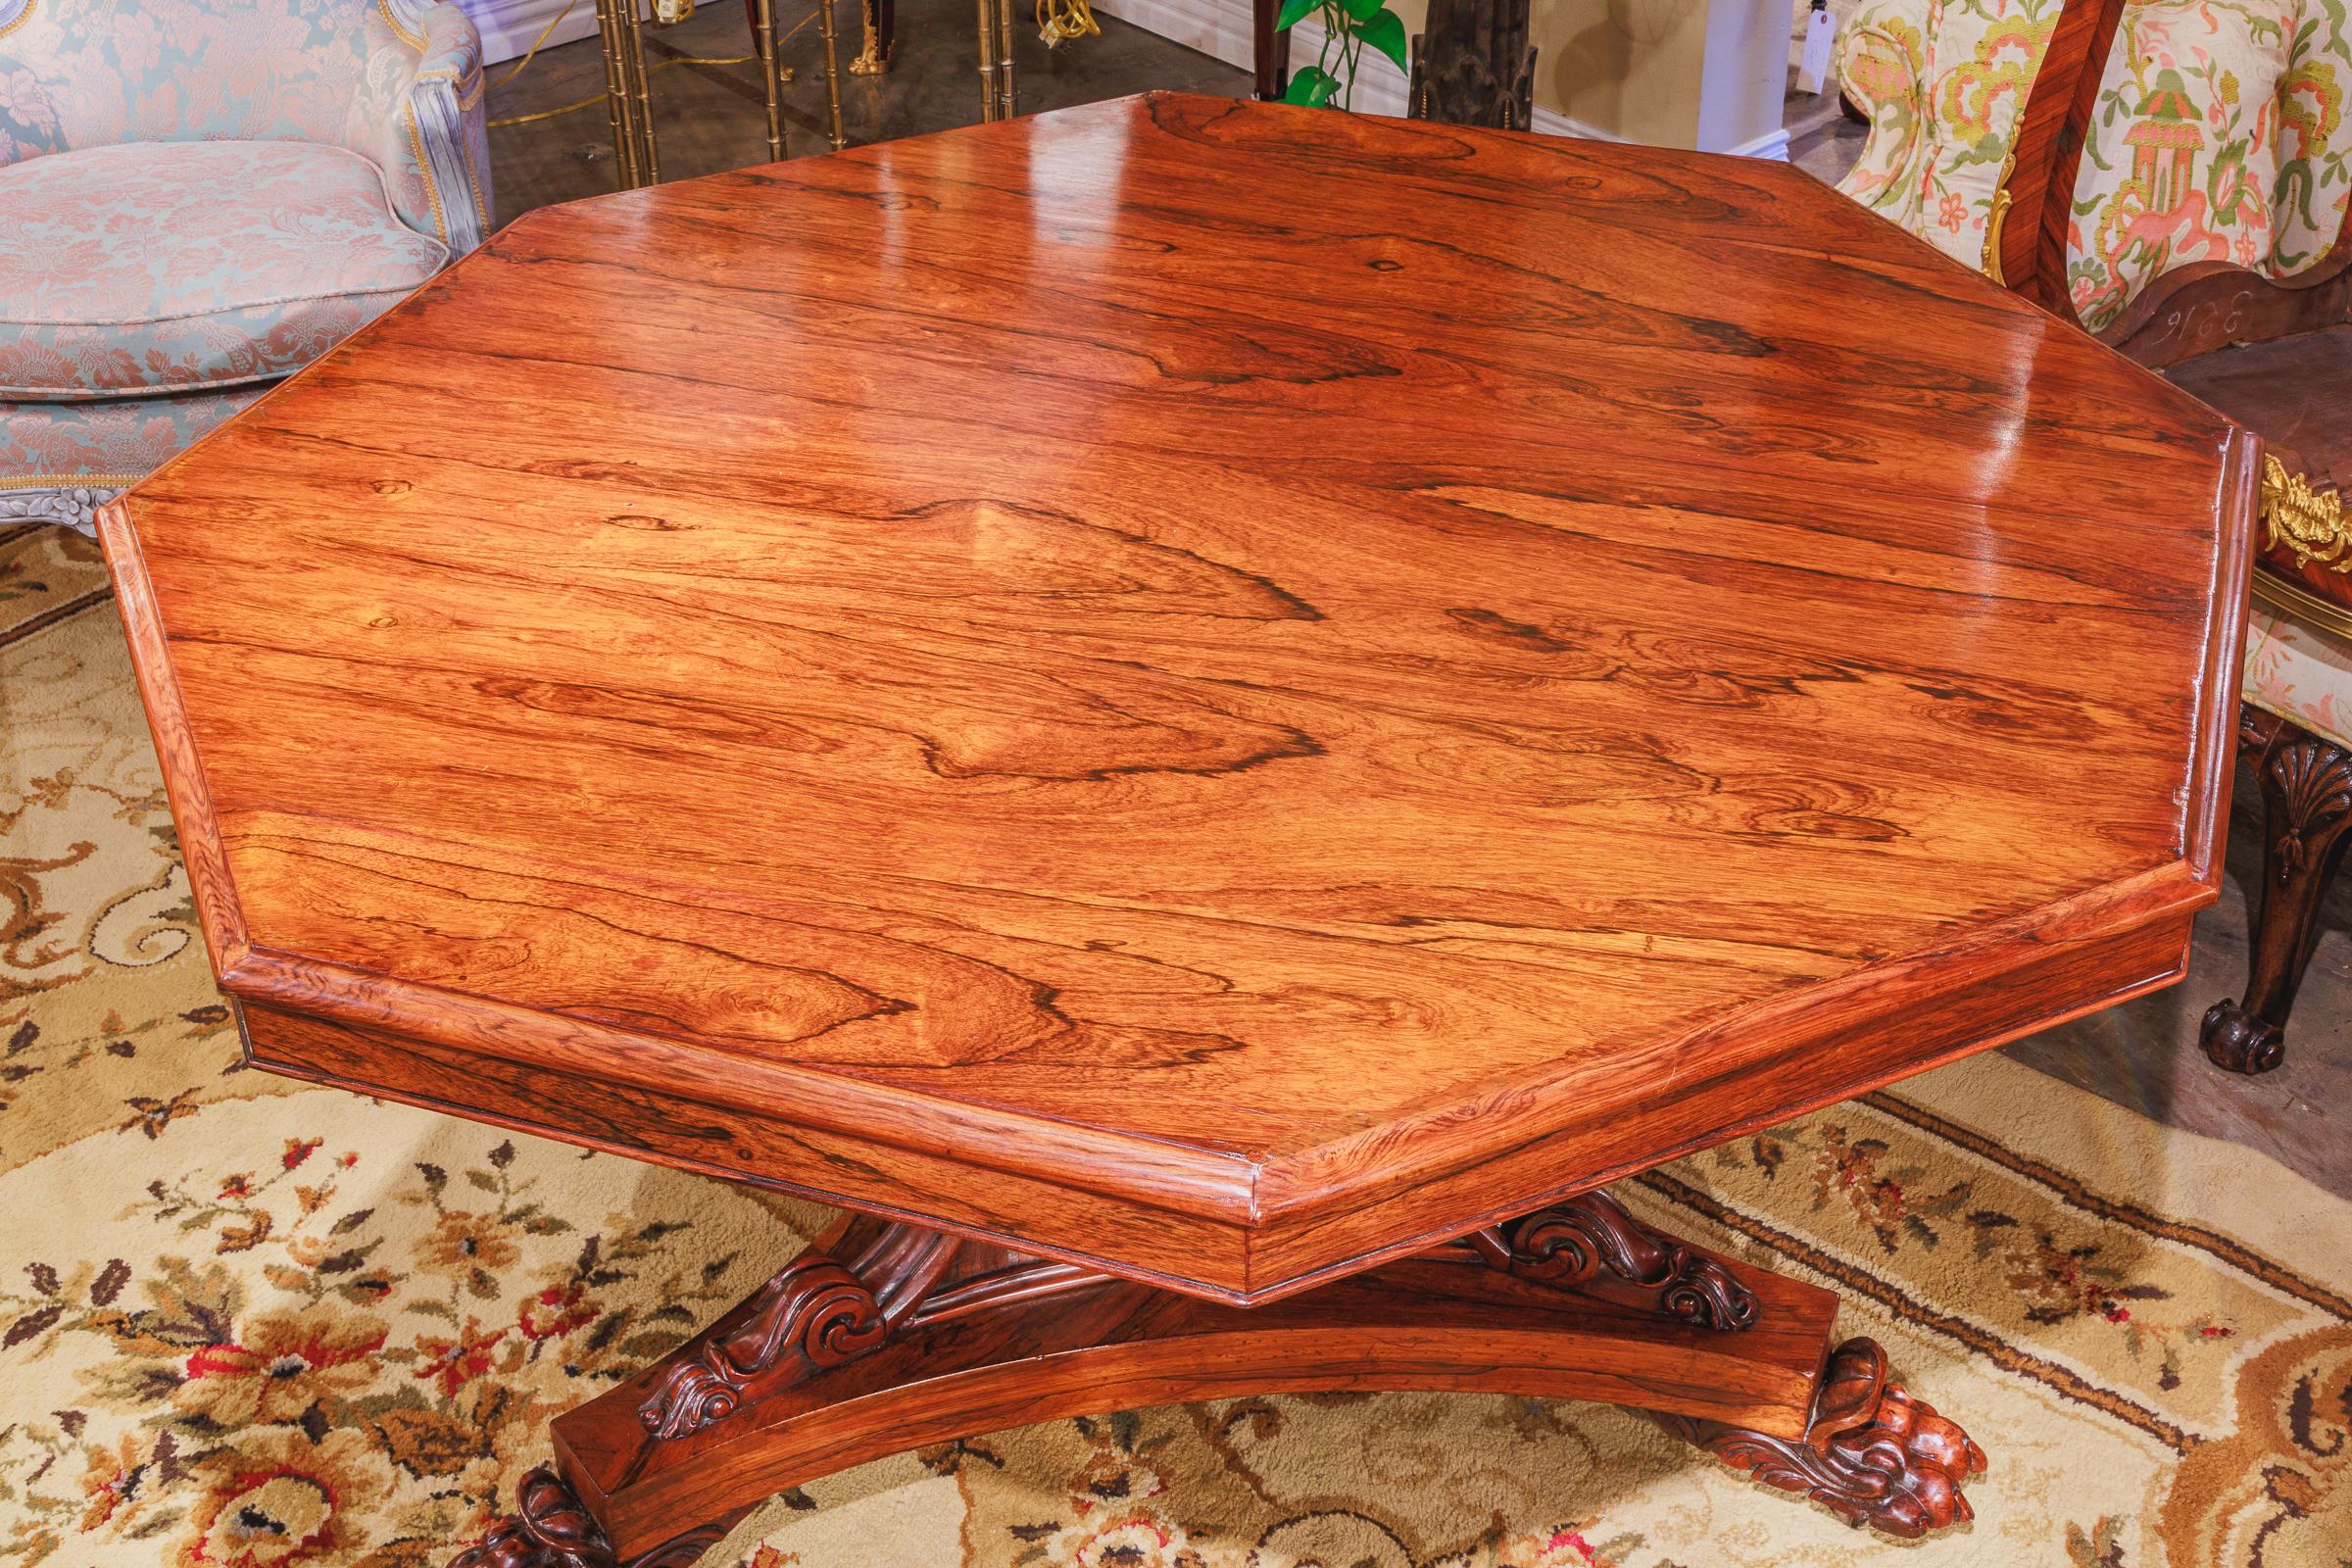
(1217, 689)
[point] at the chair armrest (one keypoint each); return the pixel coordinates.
(1881, 68)
(419, 118)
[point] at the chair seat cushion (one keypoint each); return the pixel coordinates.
(150, 267)
(112, 441)
(2299, 672)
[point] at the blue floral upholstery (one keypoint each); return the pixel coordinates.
(200, 196)
(60, 461)
(122, 272)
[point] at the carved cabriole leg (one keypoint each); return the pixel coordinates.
(1872, 1453)
(2307, 806)
(885, 1338)
(1570, 1243)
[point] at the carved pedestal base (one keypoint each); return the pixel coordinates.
(883, 1338)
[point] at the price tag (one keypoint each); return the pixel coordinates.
(1820, 30)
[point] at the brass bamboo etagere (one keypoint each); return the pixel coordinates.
(621, 32)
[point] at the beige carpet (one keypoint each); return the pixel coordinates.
(249, 1323)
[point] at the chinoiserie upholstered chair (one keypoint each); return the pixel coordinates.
(2172, 175)
(198, 197)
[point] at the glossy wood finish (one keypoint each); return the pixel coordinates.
(1221, 692)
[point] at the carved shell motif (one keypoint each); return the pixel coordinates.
(2311, 783)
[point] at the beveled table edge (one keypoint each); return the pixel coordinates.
(1300, 1192)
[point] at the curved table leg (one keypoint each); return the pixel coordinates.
(2307, 811)
(883, 1338)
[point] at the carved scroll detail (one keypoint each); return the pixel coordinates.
(814, 1308)
(551, 1528)
(1871, 1453)
(1570, 1241)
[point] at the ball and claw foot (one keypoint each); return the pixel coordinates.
(1872, 1453)
(551, 1528)
(2236, 1040)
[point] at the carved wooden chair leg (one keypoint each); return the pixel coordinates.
(1872, 1453)
(2307, 805)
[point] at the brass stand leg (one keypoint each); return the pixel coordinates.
(988, 61)
(1004, 59)
(633, 70)
(771, 82)
(617, 103)
(832, 44)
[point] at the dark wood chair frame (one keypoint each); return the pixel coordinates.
(2183, 317)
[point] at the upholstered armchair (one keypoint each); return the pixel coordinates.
(2187, 205)
(198, 197)
(1944, 85)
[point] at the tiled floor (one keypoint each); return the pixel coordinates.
(2143, 1055)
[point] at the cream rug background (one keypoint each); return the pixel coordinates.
(245, 1322)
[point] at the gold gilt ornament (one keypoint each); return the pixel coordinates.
(2309, 523)
(1058, 20)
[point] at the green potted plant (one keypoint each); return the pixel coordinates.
(1349, 26)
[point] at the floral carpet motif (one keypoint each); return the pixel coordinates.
(253, 1323)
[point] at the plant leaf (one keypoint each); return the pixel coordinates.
(1294, 12)
(1312, 86)
(1363, 10)
(1385, 33)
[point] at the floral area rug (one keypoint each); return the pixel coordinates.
(251, 1323)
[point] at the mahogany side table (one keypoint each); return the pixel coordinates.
(1208, 716)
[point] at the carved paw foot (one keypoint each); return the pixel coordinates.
(1872, 1453)
(2235, 1039)
(551, 1528)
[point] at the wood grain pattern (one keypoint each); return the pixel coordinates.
(1224, 691)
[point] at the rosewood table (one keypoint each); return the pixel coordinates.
(1208, 716)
